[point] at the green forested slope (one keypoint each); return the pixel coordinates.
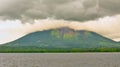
(60, 41)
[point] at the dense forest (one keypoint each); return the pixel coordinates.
(62, 40)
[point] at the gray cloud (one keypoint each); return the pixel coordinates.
(79, 10)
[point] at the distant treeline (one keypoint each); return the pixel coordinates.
(6, 49)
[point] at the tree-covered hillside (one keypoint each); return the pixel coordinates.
(61, 41)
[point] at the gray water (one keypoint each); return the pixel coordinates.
(59, 59)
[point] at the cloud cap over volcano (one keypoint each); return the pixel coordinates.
(71, 11)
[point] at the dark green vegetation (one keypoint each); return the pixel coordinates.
(60, 41)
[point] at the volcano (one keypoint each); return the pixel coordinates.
(61, 39)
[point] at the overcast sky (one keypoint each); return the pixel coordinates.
(101, 16)
(80, 10)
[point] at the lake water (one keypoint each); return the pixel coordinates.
(59, 59)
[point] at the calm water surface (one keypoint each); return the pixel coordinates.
(59, 59)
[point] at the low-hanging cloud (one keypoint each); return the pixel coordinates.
(106, 26)
(76, 14)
